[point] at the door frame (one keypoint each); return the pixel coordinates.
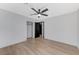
(43, 26)
(33, 28)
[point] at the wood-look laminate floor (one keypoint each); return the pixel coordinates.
(39, 46)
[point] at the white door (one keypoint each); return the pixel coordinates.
(29, 29)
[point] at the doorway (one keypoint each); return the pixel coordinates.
(39, 29)
(35, 29)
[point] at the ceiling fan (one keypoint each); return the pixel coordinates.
(40, 12)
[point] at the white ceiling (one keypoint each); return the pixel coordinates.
(18, 8)
(55, 9)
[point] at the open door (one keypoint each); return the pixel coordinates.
(39, 29)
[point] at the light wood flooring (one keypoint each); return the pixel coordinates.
(39, 46)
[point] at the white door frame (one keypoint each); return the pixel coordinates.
(33, 29)
(42, 22)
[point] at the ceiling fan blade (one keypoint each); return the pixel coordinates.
(44, 14)
(39, 10)
(44, 10)
(35, 10)
(34, 14)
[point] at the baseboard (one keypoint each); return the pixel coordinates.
(78, 47)
(29, 38)
(13, 43)
(63, 43)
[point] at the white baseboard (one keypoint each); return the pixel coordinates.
(63, 42)
(78, 47)
(12, 43)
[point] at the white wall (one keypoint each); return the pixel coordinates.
(12, 28)
(78, 28)
(62, 28)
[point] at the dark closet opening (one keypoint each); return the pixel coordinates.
(38, 29)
